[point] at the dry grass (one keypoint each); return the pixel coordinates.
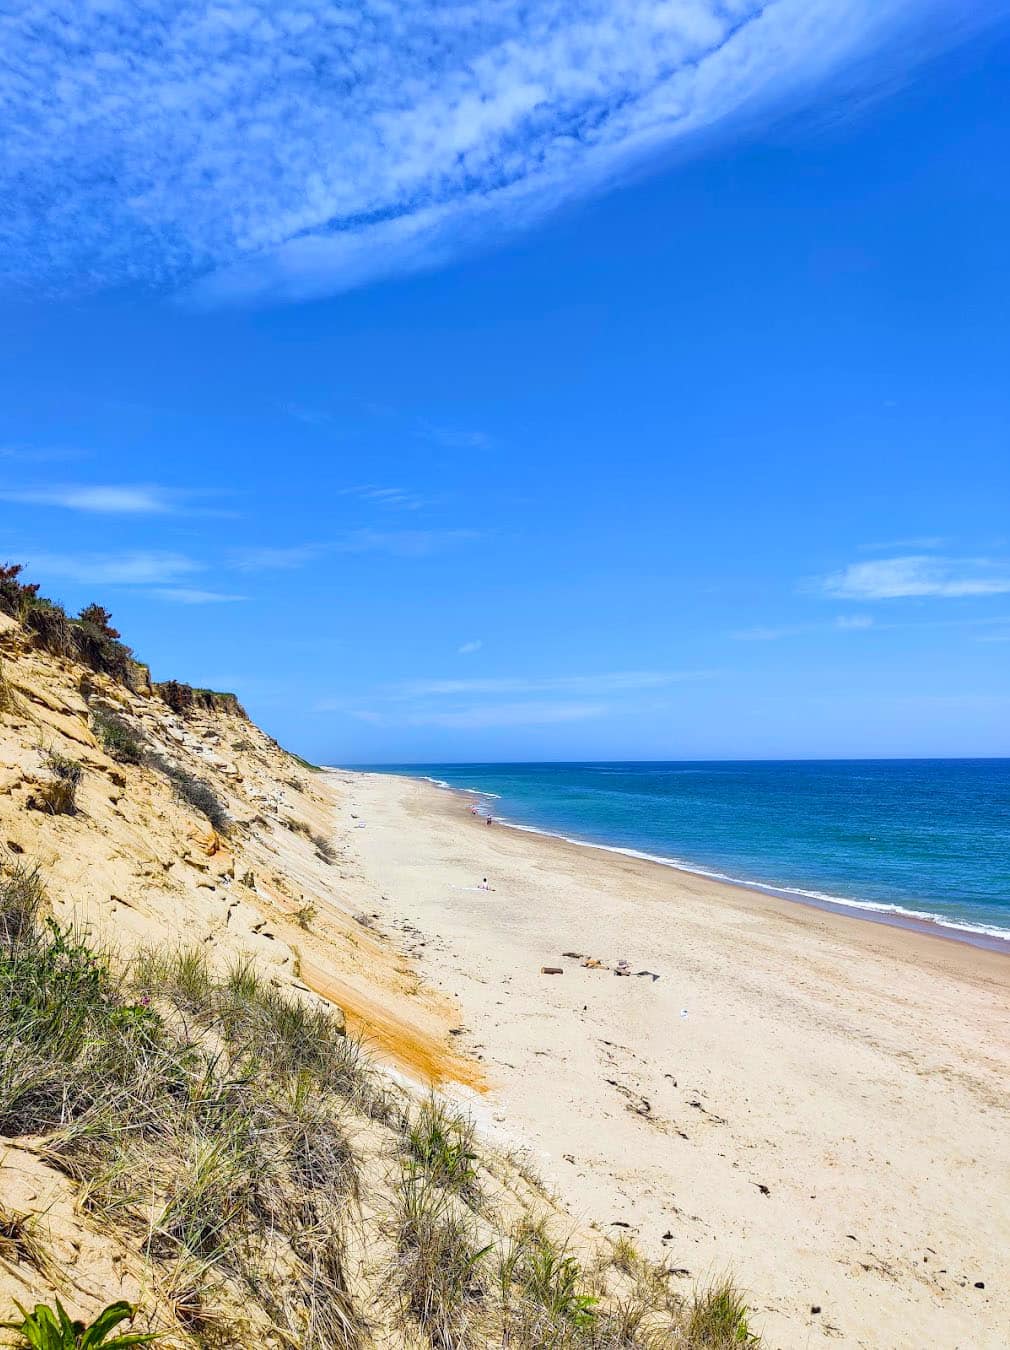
(8, 698)
(22, 1242)
(58, 794)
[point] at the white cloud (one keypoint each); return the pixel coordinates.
(919, 575)
(114, 569)
(468, 648)
(301, 150)
(109, 499)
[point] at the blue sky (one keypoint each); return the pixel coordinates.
(462, 382)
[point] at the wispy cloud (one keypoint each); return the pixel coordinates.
(295, 151)
(921, 544)
(844, 623)
(455, 438)
(282, 559)
(919, 575)
(530, 713)
(614, 682)
(47, 454)
(311, 417)
(393, 498)
(114, 569)
(470, 704)
(188, 595)
(107, 499)
(403, 543)
(468, 648)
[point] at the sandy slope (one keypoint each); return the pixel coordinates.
(818, 1102)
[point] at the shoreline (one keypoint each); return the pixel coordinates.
(814, 1103)
(892, 916)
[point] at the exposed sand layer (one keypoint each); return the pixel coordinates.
(817, 1102)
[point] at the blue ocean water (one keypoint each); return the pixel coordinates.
(927, 838)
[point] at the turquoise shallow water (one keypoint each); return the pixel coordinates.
(918, 838)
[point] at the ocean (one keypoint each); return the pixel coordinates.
(909, 840)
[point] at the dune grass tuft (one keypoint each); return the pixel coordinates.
(440, 1145)
(717, 1319)
(440, 1275)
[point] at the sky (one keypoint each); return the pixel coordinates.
(465, 382)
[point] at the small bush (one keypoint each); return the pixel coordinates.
(51, 626)
(196, 791)
(121, 740)
(15, 595)
(97, 643)
(305, 915)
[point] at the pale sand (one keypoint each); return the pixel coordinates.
(858, 1073)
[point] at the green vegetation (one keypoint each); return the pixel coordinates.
(90, 638)
(44, 1329)
(118, 737)
(440, 1145)
(718, 1318)
(542, 1284)
(214, 1122)
(216, 1140)
(196, 791)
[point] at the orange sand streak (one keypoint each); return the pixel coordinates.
(394, 1039)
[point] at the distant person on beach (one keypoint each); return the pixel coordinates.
(484, 886)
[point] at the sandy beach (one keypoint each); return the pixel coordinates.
(815, 1102)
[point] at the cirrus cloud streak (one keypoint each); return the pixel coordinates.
(257, 151)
